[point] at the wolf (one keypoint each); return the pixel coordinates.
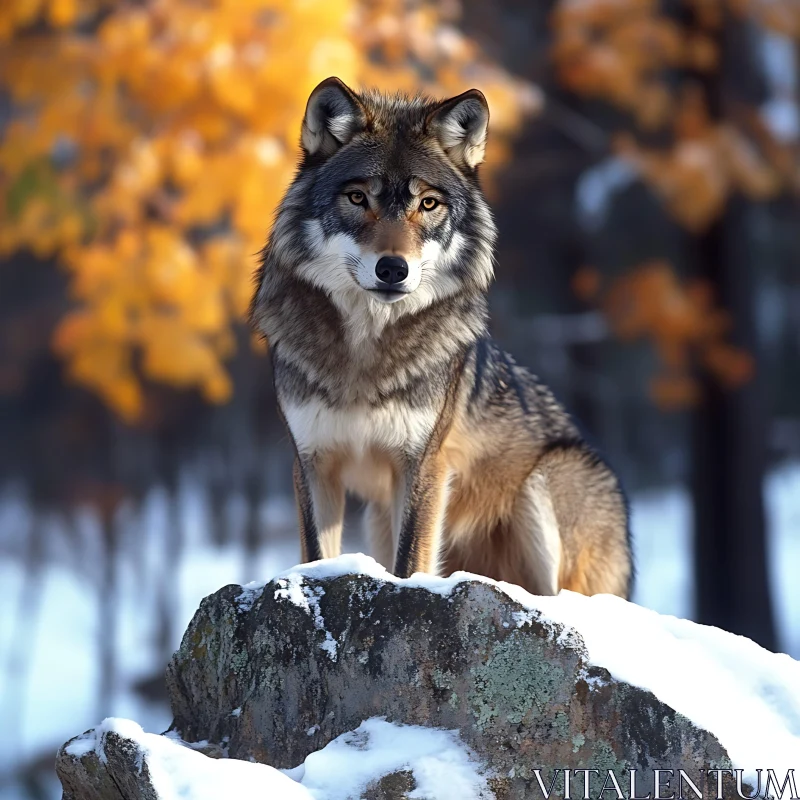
(372, 296)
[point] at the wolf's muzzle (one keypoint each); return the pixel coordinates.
(391, 270)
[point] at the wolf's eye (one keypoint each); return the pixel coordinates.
(357, 198)
(428, 203)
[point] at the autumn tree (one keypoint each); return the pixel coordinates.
(149, 144)
(683, 77)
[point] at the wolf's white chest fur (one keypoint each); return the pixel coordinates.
(392, 427)
(355, 434)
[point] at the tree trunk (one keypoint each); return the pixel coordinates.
(108, 618)
(729, 425)
(729, 455)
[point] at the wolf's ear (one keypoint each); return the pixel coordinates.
(460, 124)
(333, 116)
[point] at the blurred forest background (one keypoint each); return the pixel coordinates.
(644, 169)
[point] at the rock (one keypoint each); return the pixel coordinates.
(279, 673)
(359, 685)
(121, 772)
(394, 786)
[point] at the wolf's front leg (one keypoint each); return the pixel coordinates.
(320, 506)
(424, 503)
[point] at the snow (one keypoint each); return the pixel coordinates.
(59, 692)
(782, 500)
(442, 766)
(360, 564)
(181, 772)
(68, 615)
(661, 521)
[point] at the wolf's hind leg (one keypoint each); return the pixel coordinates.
(534, 541)
(523, 547)
(581, 497)
(378, 531)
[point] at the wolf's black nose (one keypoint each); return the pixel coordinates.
(391, 269)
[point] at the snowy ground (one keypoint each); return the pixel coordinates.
(58, 697)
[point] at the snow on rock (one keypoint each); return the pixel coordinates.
(293, 590)
(118, 752)
(437, 762)
(117, 760)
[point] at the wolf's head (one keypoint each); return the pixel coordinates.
(386, 208)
